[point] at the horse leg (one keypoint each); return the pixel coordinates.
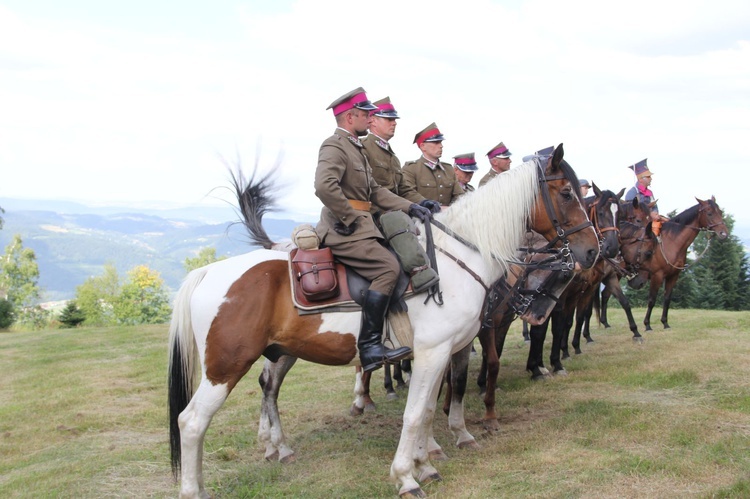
(525, 331)
(653, 291)
(487, 341)
(459, 375)
(576, 343)
(489, 421)
(402, 375)
(625, 304)
(193, 422)
(362, 401)
(270, 432)
(588, 311)
(390, 393)
(535, 362)
(668, 287)
(603, 300)
(412, 456)
(560, 324)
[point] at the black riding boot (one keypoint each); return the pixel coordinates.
(372, 353)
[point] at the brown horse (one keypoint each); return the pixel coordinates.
(231, 312)
(670, 257)
(637, 244)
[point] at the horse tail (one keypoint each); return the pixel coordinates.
(183, 361)
(255, 198)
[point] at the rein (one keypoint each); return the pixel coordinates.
(708, 245)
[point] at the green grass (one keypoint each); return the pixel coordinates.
(83, 414)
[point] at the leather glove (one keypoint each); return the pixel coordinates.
(420, 212)
(431, 205)
(342, 229)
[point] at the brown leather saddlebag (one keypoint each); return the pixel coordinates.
(316, 274)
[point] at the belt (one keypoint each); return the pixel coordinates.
(360, 205)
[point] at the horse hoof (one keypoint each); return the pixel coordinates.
(544, 371)
(413, 493)
(291, 458)
(274, 456)
(356, 411)
(639, 340)
(648, 328)
(371, 407)
(579, 351)
(432, 477)
(438, 455)
(589, 340)
(566, 355)
(391, 396)
(606, 326)
(491, 425)
(469, 444)
(561, 372)
(666, 326)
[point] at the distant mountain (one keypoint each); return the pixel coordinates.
(73, 242)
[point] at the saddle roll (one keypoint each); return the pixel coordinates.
(401, 233)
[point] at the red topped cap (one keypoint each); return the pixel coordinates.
(356, 98)
(429, 134)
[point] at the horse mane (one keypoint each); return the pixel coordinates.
(494, 217)
(682, 219)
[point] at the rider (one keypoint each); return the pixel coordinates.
(429, 176)
(386, 168)
(499, 162)
(464, 165)
(585, 186)
(642, 191)
(344, 184)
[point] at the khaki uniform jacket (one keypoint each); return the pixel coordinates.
(490, 175)
(386, 169)
(439, 184)
(468, 188)
(342, 174)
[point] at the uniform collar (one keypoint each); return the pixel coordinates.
(381, 142)
(432, 164)
(345, 133)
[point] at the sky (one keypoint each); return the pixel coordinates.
(143, 103)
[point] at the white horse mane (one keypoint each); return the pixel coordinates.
(494, 217)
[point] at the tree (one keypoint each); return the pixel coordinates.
(6, 314)
(205, 256)
(143, 299)
(97, 295)
(71, 316)
(19, 275)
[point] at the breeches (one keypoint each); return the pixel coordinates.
(371, 260)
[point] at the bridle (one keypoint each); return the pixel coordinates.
(594, 217)
(520, 299)
(631, 268)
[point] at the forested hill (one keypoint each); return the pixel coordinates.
(73, 242)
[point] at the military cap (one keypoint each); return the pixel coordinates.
(466, 162)
(499, 151)
(356, 98)
(547, 151)
(640, 168)
(385, 109)
(584, 182)
(430, 134)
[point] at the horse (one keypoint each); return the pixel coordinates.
(229, 313)
(602, 211)
(670, 257)
(531, 291)
(637, 243)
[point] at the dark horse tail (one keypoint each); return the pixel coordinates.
(183, 362)
(255, 199)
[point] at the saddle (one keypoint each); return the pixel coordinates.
(348, 295)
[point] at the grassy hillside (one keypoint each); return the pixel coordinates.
(83, 414)
(73, 247)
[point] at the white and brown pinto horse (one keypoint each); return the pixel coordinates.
(230, 313)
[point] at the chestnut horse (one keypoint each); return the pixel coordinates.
(670, 256)
(229, 313)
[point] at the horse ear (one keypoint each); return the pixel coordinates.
(653, 203)
(619, 194)
(597, 191)
(713, 198)
(635, 203)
